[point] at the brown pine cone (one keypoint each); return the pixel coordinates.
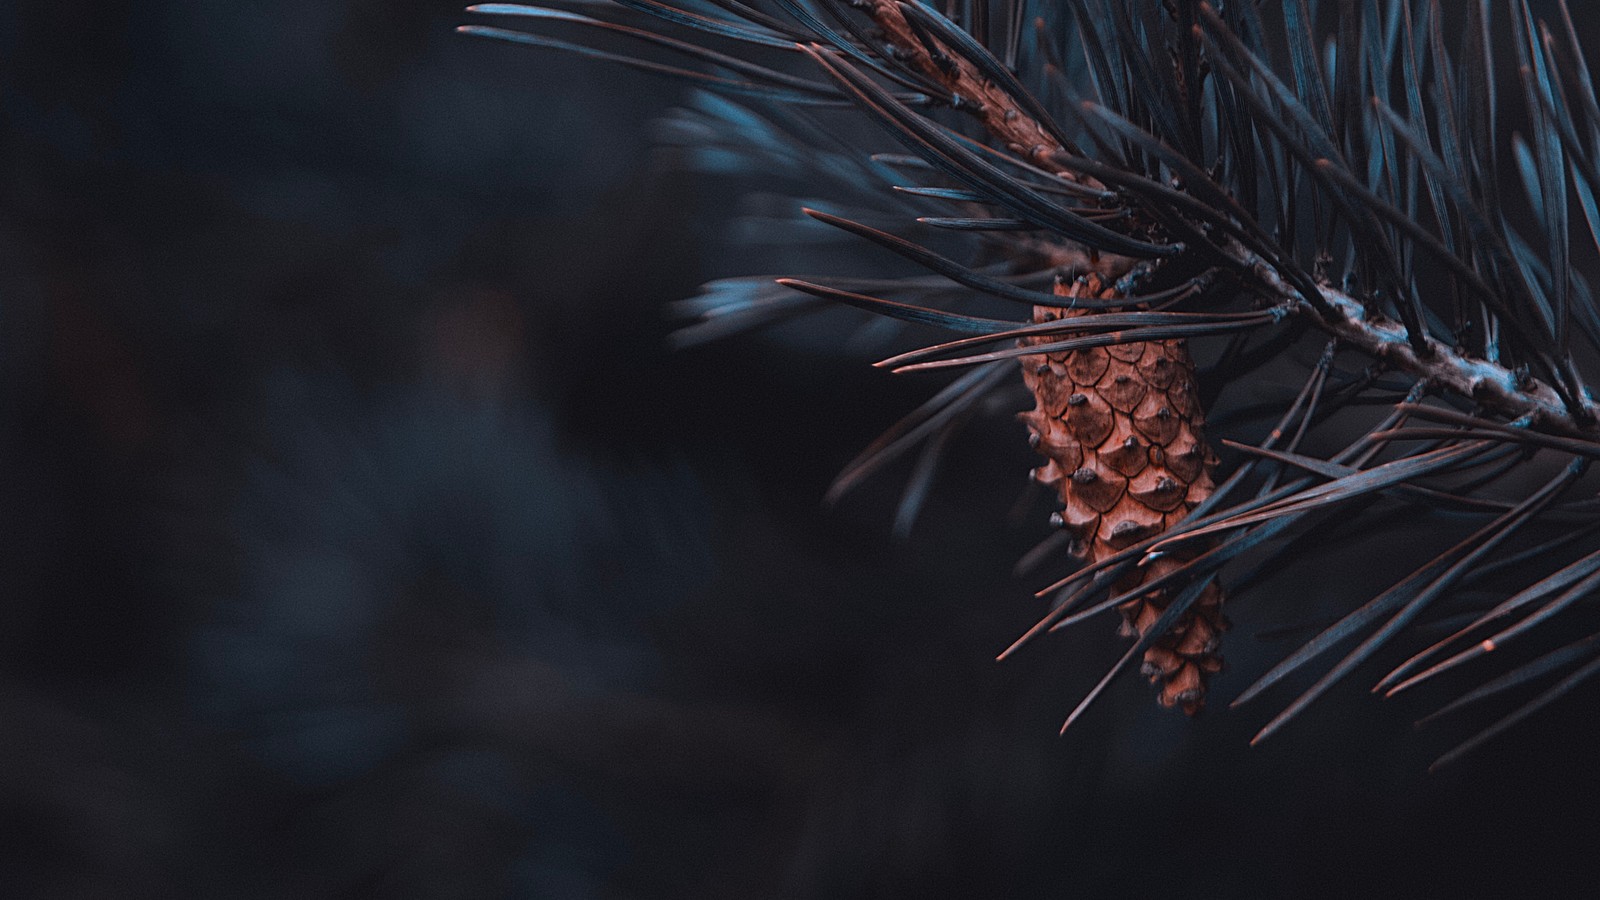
(1122, 431)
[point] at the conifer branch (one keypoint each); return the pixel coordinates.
(1517, 396)
(1007, 113)
(1163, 176)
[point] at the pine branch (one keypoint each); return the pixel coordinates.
(1015, 123)
(1517, 396)
(1173, 182)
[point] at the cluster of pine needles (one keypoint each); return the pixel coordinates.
(1408, 188)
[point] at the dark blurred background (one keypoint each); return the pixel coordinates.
(361, 537)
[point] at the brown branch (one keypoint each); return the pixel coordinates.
(1014, 128)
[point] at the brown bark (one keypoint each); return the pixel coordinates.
(1013, 128)
(1122, 433)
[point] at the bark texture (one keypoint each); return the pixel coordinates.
(1122, 433)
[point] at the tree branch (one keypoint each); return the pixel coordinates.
(1516, 395)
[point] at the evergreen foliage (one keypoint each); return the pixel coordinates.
(1407, 188)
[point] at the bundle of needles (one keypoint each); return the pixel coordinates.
(1391, 184)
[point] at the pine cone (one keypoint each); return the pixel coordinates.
(1123, 433)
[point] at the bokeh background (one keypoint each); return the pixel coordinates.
(360, 536)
